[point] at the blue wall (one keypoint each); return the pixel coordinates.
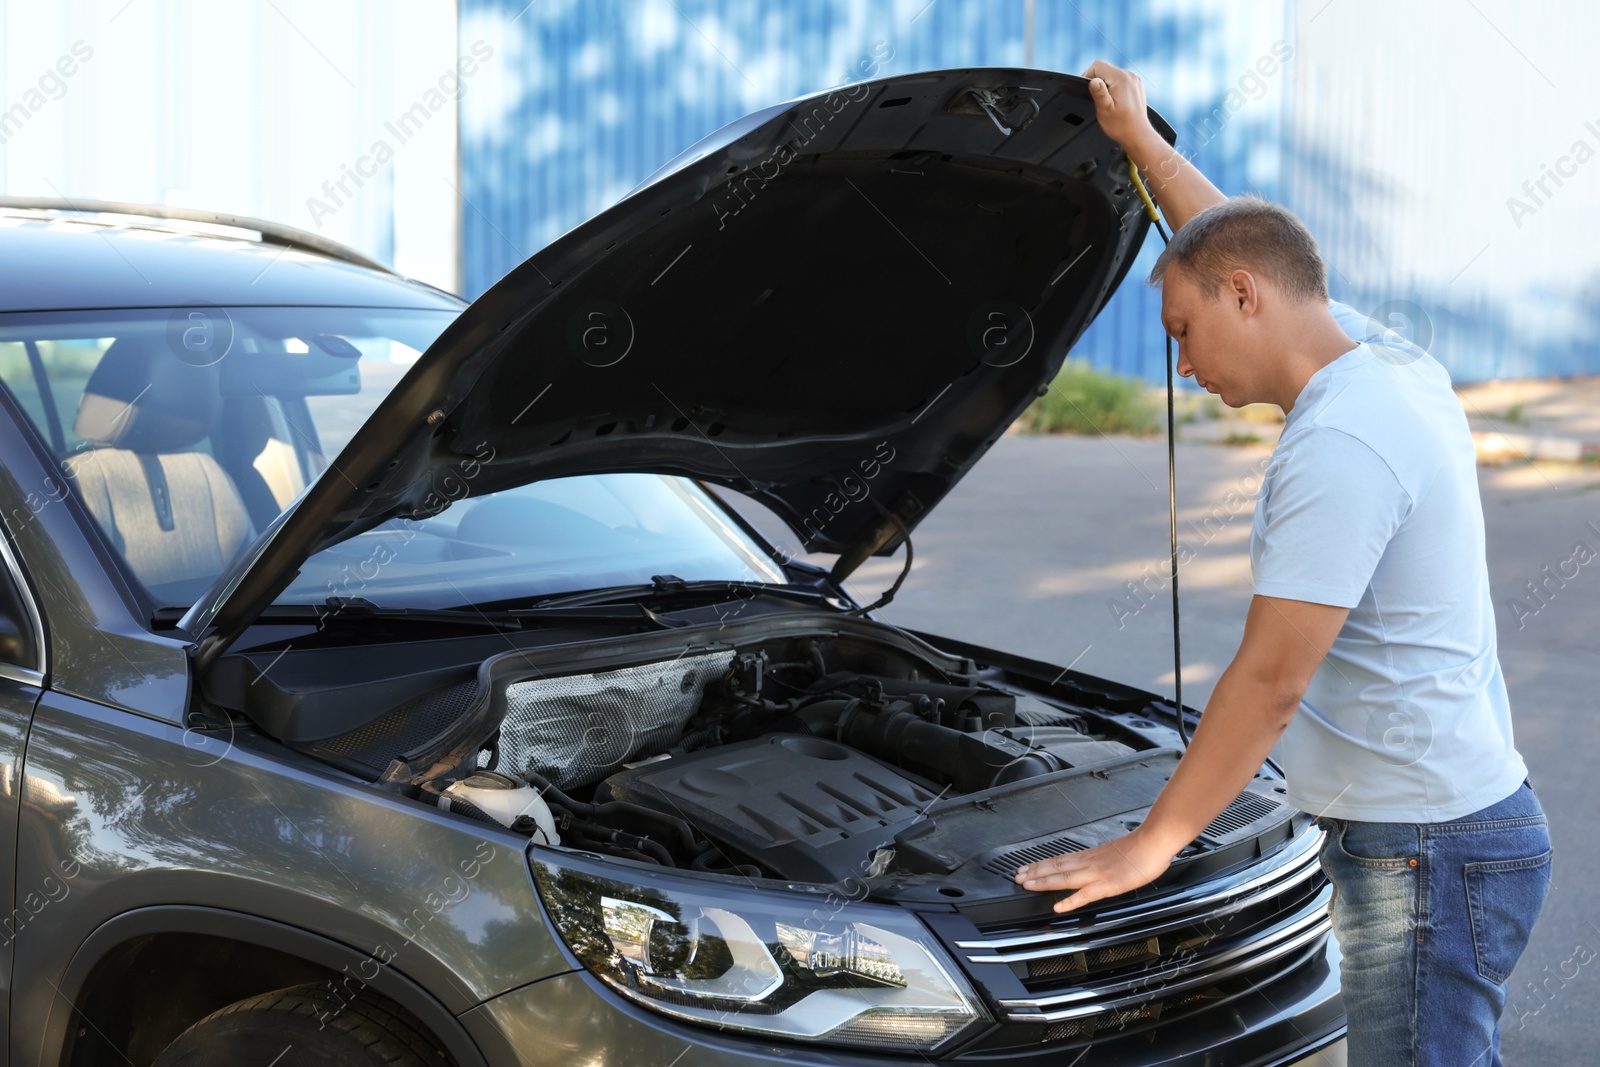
(601, 92)
(1370, 129)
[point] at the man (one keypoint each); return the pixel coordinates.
(1368, 664)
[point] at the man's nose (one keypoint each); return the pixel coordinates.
(1185, 368)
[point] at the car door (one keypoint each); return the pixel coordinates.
(21, 680)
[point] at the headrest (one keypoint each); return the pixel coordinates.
(143, 398)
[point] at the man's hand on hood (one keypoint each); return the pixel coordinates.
(1119, 107)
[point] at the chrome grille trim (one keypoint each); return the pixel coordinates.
(1299, 864)
(1275, 912)
(1298, 875)
(1320, 928)
(1307, 925)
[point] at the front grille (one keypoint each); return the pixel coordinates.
(1145, 963)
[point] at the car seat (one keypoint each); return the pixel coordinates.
(170, 509)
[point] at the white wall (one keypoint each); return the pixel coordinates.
(1437, 112)
(287, 110)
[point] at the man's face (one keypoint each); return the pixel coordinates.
(1209, 336)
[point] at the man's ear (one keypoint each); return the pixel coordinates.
(1242, 291)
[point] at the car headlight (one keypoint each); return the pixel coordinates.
(809, 968)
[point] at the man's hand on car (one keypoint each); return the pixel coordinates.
(1118, 865)
(1119, 108)
(1119, 104)
(1249, 708)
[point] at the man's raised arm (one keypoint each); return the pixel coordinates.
(1179, 189)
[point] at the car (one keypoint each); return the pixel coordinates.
(393, 679)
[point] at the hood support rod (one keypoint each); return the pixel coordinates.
(1172, 478)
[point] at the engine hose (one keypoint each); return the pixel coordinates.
(463, 806)
(695, 740)
(680, 829)
(588, 845)
(546, 789)
(703, 862)
(789, 663)
(602, 833)
(960, 703)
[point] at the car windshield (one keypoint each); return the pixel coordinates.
(555, 536)
(185, 431)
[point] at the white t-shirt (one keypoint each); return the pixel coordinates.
(1370, 502)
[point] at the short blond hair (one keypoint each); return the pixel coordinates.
(1252, 233)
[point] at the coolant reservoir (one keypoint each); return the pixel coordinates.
(503, 799)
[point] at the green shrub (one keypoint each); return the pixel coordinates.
(1085, 400)
(1234, 437)
(1191, 408)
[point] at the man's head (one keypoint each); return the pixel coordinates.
(1239, 283)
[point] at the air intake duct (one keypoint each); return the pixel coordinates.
(897, 733)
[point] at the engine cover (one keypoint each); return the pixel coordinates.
(803, 806)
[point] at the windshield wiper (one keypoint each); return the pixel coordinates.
(355, 609)
(616, 605)
(668, 585)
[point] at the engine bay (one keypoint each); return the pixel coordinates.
(788, 768)
(809, 756)
(824, 762)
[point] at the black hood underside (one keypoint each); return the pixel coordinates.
(834, 305)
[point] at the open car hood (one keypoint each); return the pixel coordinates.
(834, 305)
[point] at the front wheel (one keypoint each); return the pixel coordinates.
(305, 1026)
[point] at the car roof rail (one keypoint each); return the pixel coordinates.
(271, 232)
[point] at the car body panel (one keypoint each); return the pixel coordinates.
(127, 813)
(16, 709)
(49, 263)
(907, 259)
(574, 1018)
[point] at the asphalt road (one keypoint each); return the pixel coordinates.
(1034, 550)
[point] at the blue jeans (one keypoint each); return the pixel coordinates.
(1430, 919)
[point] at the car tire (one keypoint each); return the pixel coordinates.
(305, 1026)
